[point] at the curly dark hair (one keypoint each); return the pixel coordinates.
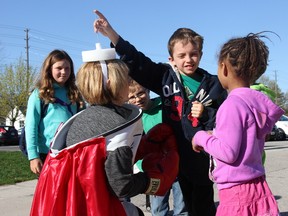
(247, 55)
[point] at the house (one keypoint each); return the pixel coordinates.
(20, 120)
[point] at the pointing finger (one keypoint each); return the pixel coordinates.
(101, 16)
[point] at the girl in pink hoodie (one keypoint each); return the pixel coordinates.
(242, 122)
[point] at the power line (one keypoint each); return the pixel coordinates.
(11, 36)
(45, 34)
(11, 27)
(61, 38)
(39, 41)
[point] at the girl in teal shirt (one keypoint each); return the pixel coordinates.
(55, 87)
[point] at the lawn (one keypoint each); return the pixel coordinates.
(14, 168)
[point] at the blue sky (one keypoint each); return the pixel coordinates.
(67, 24)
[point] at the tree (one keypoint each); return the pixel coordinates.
(14, 91)
(285, 104)
(281, 98)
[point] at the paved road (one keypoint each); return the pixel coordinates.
(9, 148)
(15, 200)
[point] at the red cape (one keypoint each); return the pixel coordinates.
(74, 183)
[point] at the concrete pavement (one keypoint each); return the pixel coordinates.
(15, 200)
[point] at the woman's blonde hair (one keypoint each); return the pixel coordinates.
(94, 89)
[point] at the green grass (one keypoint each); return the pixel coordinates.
(14, 168)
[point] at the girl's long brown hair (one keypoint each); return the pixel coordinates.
(45, 81)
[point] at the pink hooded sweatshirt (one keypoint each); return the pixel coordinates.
(237, 143)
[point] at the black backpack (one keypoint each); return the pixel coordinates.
(22, 140)
(43, 108)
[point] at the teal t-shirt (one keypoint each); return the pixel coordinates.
(150, 118)
(153, 116)
(39, 132)
(191, 84)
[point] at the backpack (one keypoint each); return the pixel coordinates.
(43, 111)
(22, 139)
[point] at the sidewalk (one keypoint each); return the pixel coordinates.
(15, 200)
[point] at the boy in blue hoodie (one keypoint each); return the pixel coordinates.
(190, 98)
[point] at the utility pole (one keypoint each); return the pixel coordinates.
(276, 89)
(27, 58)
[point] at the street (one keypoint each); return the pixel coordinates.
(277, 172)
(16, 199)
(10, 148)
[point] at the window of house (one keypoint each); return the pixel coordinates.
(21, 123)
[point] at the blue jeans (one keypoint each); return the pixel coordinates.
(160, 204)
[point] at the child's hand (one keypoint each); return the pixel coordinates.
(36, 166)
(197, 109)
(103, 26)
(196, 147)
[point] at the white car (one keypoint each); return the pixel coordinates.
(283, 124)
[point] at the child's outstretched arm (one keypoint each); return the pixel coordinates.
(103, 26)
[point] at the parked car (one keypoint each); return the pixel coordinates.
(277, 134)
(8, 135)
(282, 123)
